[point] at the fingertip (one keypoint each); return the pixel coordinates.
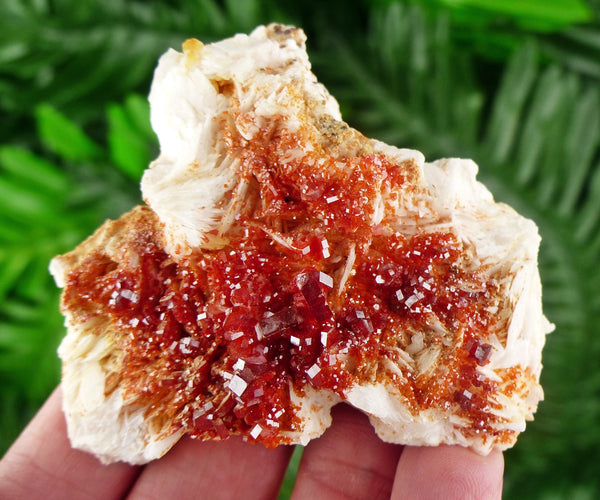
(449, 472)
(348, 461)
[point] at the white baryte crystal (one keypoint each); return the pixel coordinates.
(237, 385)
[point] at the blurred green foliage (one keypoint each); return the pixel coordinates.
(513, 84)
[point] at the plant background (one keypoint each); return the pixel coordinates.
(513, 84)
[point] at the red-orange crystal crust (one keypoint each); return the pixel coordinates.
(214, 342)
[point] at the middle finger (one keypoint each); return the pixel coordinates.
(348, 461)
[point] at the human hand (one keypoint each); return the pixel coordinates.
(347, 462)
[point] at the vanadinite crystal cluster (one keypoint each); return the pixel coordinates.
(285, 263)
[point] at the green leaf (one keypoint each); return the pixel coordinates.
(541, 114)
(577, 48)
(33, 170)
(290, 475)
(13, 265)
(509, 103)
(589, 215)
(128, 147)
(530, 14)
(24, 202)
(550, 13)
(64, 137)
(138, 111)
(581, 146)
(23, 346)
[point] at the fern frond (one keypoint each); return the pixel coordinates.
(581, 147)
(79, 56)
(589, 215)
(503, 124)
(577, 48)
(401, 95)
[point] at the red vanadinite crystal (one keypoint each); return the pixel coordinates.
(216, 340)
